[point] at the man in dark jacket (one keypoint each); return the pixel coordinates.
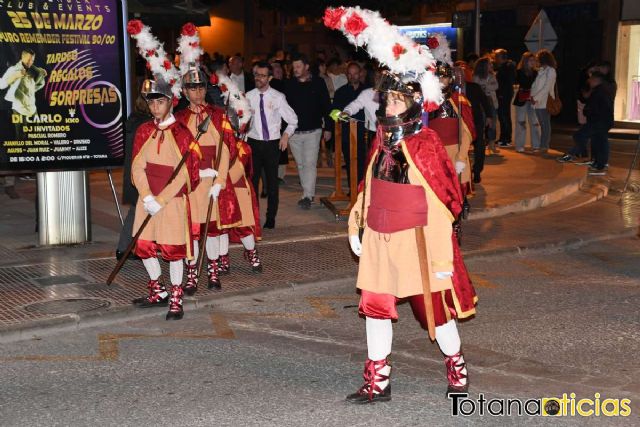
(506, 76)
(343, 97)
(599, 113)
(482, 117)
(309, 98)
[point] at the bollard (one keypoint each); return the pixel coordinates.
(63, 206)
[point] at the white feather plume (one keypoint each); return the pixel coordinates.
(151, 49)
(385, 43)
(443, 52)
(234, 97)
(190, 51)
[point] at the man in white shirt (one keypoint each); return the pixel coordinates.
(269, 107)
(237, 74)
(367, 100)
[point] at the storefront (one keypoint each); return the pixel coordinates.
(627, 103)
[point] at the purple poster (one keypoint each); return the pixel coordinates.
(62, 104)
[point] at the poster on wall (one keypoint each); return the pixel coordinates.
(420, 34)
(62, 85)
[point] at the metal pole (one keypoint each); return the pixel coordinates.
(115, 196)
(631, 168)
(477, 27)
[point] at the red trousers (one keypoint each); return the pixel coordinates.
(149, 249)
(383, 306)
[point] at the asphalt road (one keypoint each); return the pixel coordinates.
(547, 324)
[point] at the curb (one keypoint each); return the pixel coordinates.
(77, 321)
(527, 205)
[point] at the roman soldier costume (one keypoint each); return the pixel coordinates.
(401, 224)
(453, 120)
(248, 231)
(217, 141)
(159, 145)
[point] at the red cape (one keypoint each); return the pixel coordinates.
(227, 203)
(431, 159)
(467, 113)
(183, 139)
(244, 156)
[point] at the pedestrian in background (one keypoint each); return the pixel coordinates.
(543, 87)
(484, 76)
(506, 76)
(599, 114)
(269, 108)
(309, 98)
(343, 97)
(525, 77)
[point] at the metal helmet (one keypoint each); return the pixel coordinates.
(443, 69)
(158, 87)
(194, 76)
(407, 87)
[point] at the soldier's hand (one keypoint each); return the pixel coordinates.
(208, 173)
(460, 166)
(356, 245)
(215, 191)
(151, 205)
(443, 274)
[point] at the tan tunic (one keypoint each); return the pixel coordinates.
(169, 226)
(199, 199)
(389, 262)
(462, 153)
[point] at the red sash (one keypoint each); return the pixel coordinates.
(158, 178)
(396, 207)
(208, 156)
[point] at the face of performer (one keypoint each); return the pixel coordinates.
(195, 94)
(396, 104)
(160, 107)
(262, 77)
(27, 59)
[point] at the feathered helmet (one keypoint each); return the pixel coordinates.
(166, 77)
(239, 109)
(190, 53)
(410, 66)
(441, 51)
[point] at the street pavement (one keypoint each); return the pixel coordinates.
(552, 254)
(288, 357)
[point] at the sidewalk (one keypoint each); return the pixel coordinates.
(52, 288)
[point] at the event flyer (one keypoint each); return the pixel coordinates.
(61, 84)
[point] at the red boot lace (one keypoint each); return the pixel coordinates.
(192, 276)
(155, 289)
(455, 365)
(224, 263)
(175, 302)
(252, 257)
(213, 270)
(372, 377)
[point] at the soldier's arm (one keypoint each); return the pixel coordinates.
(223, 167)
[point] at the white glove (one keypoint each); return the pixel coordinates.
(356, 245)
(151, 206)
(443, 274)
(460, 165)
(208, 173)
(215, 191)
